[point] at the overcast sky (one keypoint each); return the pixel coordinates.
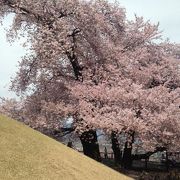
(164, 11)
(9, 57)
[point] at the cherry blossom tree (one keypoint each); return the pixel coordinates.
(87, 61)
(136, 109)
(11, 108)
(71, 29)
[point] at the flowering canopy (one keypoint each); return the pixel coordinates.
(88, 61)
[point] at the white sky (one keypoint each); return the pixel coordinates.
(164, 11)
(9, 57)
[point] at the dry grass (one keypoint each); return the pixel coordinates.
(26, 154)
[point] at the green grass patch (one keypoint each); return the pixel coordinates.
(26, 154)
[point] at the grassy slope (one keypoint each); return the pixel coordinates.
(26, 154)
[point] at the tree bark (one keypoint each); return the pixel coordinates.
(90, 145)
(116, 148)
(127, 155)
(167, 162)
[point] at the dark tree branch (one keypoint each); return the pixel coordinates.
(72, 56)
(148, 154)
(63, 132)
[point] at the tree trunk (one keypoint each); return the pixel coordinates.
(146, 164)
(116, 148)
(127, 155)
(90, 145)
(167, 162)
